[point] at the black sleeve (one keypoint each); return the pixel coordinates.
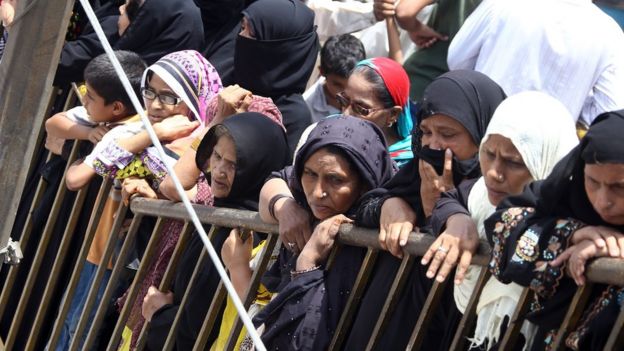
(450, 203)
(78, 53)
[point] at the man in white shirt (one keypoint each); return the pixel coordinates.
(567, 48)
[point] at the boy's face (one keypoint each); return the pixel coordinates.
(96, 107)
(334, 84)
(156, 109)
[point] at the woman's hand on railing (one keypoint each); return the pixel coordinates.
(153, 301)
(322, 240)
(396, 223)
(589, 242)
(136, 187)
(294, 224)
(455, 245)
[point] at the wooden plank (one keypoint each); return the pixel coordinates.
(426, 315)
(26, 72)
(616, 338)
(575, 311)
(516, 321)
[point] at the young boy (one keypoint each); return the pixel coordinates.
(338, 58)
(107, 116)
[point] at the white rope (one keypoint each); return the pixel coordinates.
(187, 204)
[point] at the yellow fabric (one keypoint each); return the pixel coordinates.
(98, 245)
(126, 337)
(195, 143)
(136, 168)
(230, 314)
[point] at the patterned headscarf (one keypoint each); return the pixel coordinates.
(191, 77)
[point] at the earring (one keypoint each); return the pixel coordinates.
(390, 124)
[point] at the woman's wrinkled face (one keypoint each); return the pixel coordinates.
(222, 167)
(440, 132)
(246, 30)
(359, 100)
(330, 185)
(156, 109)
(123, 22)
(604, 185)
(503, 169)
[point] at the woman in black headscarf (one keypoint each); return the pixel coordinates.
(275, 54)
(454, 115)
(236, 156)
(342, 158)
(544, 237)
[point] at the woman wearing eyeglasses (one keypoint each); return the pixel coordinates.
(378, 91)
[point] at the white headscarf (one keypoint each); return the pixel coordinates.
(543, 131)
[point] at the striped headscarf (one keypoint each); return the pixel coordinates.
(191, 77)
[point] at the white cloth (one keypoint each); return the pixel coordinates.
(317, 102)
(543, 132)
(568, 48)
(357, 18)
(79, 115)
(122, 131)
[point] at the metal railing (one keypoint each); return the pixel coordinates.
(119, 246)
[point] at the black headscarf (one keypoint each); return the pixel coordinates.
(563, 194)
(360, 140)
(261, 148)
(281, 58)
(162, 27)
(470, 98)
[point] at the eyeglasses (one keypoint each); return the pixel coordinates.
(166, 99)
(344, 101)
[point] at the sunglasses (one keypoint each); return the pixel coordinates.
(344, 101)
(166, 99)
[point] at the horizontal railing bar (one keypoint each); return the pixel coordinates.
(602, 270)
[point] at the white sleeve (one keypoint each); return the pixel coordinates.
(79, 115)
(608, 91)
(464, 49)
(336, 17)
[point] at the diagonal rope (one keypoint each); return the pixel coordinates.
(187, 204)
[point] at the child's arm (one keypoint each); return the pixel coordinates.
(78, 175)
(61, 126)
(236, 255)
(394, 43)
(171, 128)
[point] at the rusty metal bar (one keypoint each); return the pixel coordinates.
(470, 314)
(515, 321)
(170, 342)
(252, 291)
(56, 268)
(393, 297)
(203, 257)
(86, 244)
(147, 259)
(575, 311)
(211, 317)
(359, 286)
(169, 275)
(126, 248)
(48, 231)
(616, 338)
(420, 331)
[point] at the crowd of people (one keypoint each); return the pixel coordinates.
(501, 126)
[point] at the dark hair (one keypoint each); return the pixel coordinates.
(340, 53)
(132, 9)
(102, 77)
(379, 87)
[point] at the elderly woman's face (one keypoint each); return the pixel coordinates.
(440, 132)
(503, 169)
(330, 185)
(604, 185)
(222, 167)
